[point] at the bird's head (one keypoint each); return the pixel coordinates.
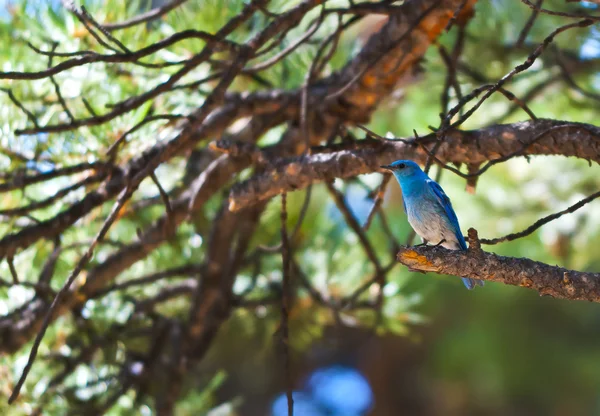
(403, 168)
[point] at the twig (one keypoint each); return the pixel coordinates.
(378, 200)
(495, 87)
(338, 198)
(57, 88)
(82, 17)
(87, 16)
(292, 47)
(125, 195)
(529, 24)
(13, 271)
(11, 212)
(541, 221)
(348, 301)
(18, 103)
(562, 14)
(146, 120)
(303, 212)
(23, 181)
(286, 304)
(183, 271)
(144, 17)
(570, 81)
(165, 197)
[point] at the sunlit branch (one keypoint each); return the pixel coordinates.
(548, 280)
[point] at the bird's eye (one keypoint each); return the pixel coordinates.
(401, 166)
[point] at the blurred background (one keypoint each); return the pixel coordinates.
(439, 349)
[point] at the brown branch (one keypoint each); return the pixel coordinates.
(476, 173)
(355, 92)
(547, 280)
(383, 51)
(211, 301)
(286, 300)
(470, 147)
(282, 23)
(55, 226)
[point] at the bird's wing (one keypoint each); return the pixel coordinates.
(447, 205)
(404, 204)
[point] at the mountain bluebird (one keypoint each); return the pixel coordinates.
(429, 210)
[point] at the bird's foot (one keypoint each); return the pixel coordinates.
(440, 243)
(424, 243)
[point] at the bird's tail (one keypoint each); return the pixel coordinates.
(462, 245)
(471, 283)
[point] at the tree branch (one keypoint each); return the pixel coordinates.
(548, 280)
(469, 147)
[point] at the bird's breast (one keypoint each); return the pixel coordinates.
(431, 225)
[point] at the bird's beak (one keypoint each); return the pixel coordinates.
(387, 167)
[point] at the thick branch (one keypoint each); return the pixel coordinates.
(389, 55)
(535, 137)
(547, 280)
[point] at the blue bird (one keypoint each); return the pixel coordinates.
(429, 210)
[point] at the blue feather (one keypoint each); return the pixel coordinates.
(429, 209)
(447, 205)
